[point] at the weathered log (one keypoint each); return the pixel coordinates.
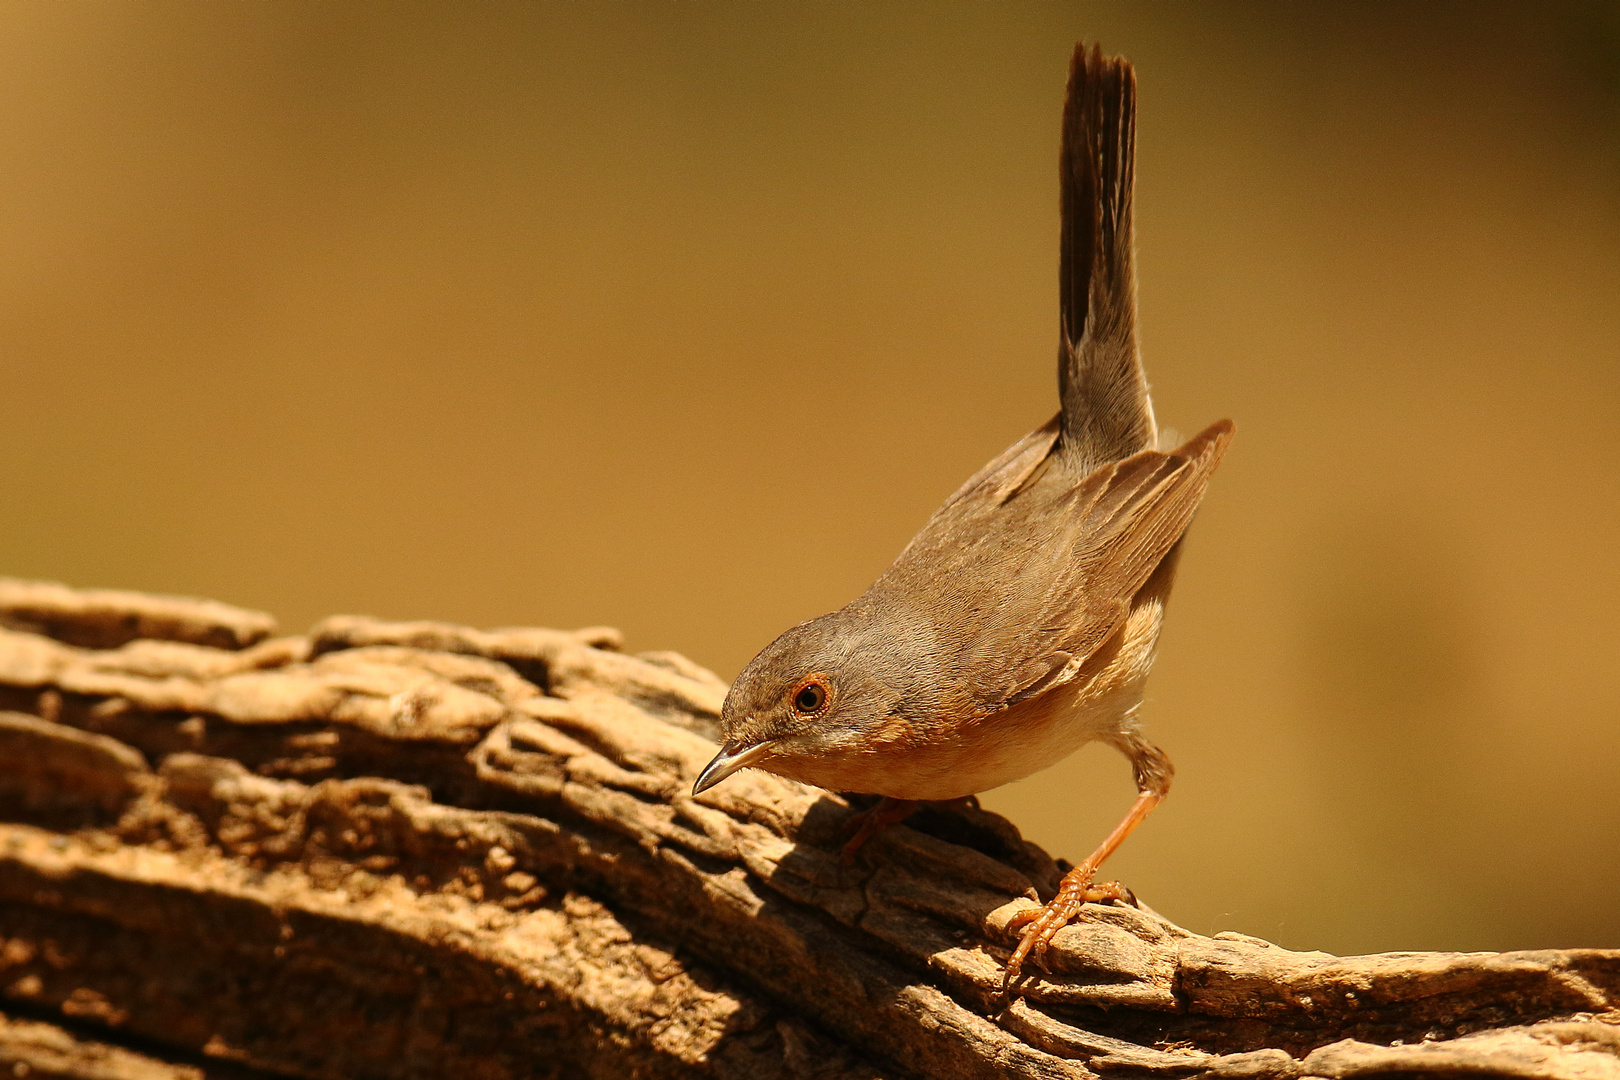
(414, 849)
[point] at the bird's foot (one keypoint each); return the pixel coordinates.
(864, 825)
(1039, 926)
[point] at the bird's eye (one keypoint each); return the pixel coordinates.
(810, 696)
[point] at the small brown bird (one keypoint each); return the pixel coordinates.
(1020, 623)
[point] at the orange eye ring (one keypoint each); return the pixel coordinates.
(810, 695)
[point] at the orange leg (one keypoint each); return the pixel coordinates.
(1039, 927)
(868, 822)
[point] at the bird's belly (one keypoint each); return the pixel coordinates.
(1025, 739)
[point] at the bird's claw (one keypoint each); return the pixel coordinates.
(1038, 926)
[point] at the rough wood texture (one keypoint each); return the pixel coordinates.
(419, 850)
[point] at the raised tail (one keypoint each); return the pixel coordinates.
(1106, 411)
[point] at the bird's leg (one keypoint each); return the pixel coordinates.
(1038, 927)
(866, 823)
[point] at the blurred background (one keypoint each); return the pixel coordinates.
(683, 316)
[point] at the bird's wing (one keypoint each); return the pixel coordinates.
(1008, 472)
(941, 547)
(1123, 519)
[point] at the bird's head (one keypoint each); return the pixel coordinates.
(811, 697)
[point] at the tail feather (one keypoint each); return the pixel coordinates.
(1106, 411)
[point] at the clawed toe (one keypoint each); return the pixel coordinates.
(1037, 955)
(1037, 927)
(1023, 919)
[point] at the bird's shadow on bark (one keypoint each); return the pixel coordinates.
(831, 820)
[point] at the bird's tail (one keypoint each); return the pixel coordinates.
(1106, 411)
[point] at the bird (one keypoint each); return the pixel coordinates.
(1021, 622)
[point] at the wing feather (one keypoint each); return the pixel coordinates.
(1128, 516)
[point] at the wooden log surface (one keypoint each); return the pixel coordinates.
(420, 850)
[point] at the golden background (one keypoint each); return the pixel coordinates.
(683, 316)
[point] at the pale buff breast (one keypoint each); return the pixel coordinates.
(1097, 703)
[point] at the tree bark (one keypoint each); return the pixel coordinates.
(420, 850)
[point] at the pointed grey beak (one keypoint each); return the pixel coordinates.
(726, 762)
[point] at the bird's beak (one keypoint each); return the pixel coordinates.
(726, 762)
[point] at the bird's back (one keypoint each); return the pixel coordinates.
(1034, 563)
(1021, 620)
